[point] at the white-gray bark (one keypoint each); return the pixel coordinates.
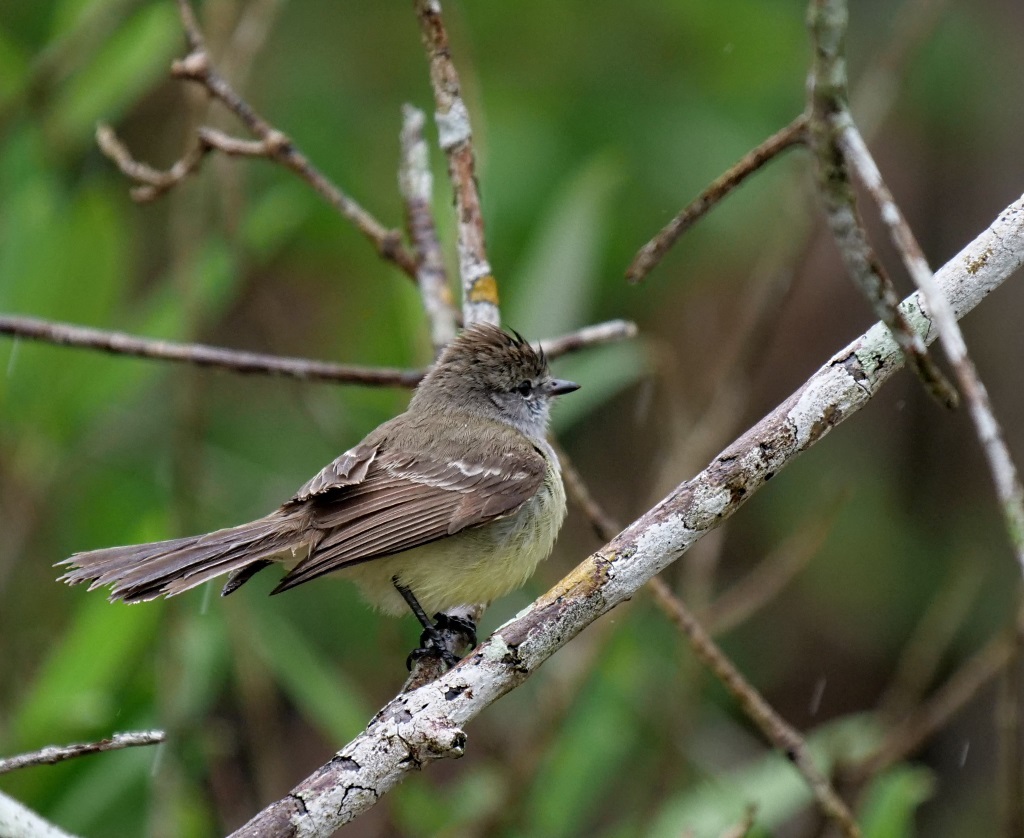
(426, 724)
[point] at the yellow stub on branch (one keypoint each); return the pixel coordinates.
(484, 290)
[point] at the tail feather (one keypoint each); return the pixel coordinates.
(165, 568)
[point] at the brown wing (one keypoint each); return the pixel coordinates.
(347, 470)
(404, 501)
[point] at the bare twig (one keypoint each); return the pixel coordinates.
(990, 434)
(604, 526)
(610, 331)
(479, 288)
(829, 116)
(771, 724)
(425, 725)
(58, 753)
(272, 144)
(416, 184)
(120, 343)
(651, 254)
(154, 182)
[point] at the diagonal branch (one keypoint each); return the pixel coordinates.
(425, 725)
(651, 254)
(780, 733)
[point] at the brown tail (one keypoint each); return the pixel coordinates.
(166, 568)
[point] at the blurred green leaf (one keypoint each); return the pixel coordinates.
(274, 216)
(71, 16)
(13, 69)
(557, 277)
(127, 64)
(324, 695)
(588, 749)
(94, 657)
(771, 784)
(892, 799)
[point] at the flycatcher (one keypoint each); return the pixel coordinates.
(454, 502)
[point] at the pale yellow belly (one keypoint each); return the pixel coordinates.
(473, 567)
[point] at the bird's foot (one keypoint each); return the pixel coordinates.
(439, 640)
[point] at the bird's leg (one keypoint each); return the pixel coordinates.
(432, 642)
(412, 602)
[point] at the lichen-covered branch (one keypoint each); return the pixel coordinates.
(416, 183)
(455, 134)
(427, 724)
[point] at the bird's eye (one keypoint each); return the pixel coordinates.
(524, 388)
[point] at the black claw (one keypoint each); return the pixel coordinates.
(432, 645)
(447, 658)
(432, 641)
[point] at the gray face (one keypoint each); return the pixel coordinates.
(525, 404)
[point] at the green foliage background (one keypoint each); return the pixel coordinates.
(595, 121)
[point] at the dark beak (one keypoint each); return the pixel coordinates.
(559, 387)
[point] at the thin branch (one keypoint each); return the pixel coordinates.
(651, 254)
(154, 182)
(774, 728)
(416, 184)
(422, 726)
(455, 135)
(271, 144)
(58, 753)
(604, 526)
(990, 434)
(611, 331)
(829, 116)
(253, 363)
(120, 343)
(760, 712)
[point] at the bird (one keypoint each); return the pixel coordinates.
(453, 502)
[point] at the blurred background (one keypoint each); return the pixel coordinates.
(595, 122)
